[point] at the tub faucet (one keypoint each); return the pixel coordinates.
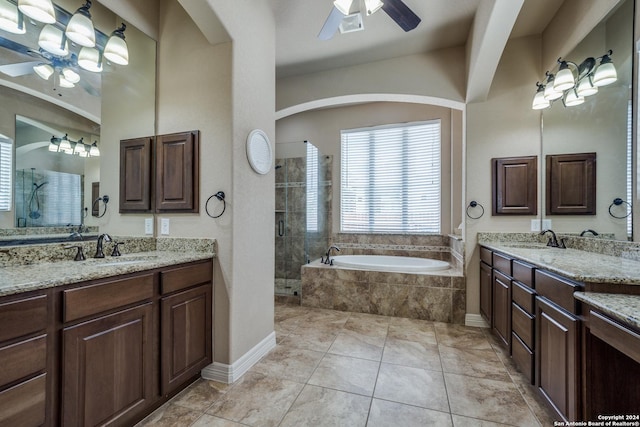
(588, 230)
(328, 259)
(553, 240)
(106, 238)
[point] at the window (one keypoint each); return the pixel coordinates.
(391, 179)
(5, 174)
(312, 188)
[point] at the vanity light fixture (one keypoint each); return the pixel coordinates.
(90, 59)
(573, 82)
(116, 48)
(94, 151)
(64, 145)
(79, 148)
(53, 40)
(38, 10)
(80, 27)
(11, 19)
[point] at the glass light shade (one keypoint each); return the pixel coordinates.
(89, 59)
(550, 93)
(51, 40)
(70, 75)
(80, 29)
(79, 148)
(572, 99)
(539, 103)
(563, 80)
(84, 153)
(344, 6)
(39, 10)
(9, 19)
(116, 50)
(586, 88)
(372, 6)
(65, 145)
(95, 151)
(605, 74)
(53, 147)
(43, 70)
(65, 83)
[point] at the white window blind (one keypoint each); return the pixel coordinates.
(5, 175)
(390, 179)
(312, 188)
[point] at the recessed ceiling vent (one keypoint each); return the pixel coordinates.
(351, 23)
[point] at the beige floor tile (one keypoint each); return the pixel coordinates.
(346, 374)
(200, 395)
(452, 335)
(491, 400)
(349, 343)
(316, 339)
(421, 331)
(318, 407)
(412, 386)
(257, 400)
(210, 421)
(474, 363)
(289, 363)
(170, 415)
(368, 324)
(412, 353)
(323, 318)
(385, 414)
(460, 421)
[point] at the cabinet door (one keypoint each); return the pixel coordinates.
(557, 364)
(108, 368)
(502, 307)
(186, 336)
(514, 185)
(135, 175)
(177, 172)
(485, 292)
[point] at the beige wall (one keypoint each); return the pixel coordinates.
(322, 128)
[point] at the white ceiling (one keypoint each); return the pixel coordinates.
(445, 24)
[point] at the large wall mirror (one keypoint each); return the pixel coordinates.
(52, 187)
(601, 125)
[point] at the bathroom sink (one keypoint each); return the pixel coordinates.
(120, 262)
(114, 261)
(525, 245)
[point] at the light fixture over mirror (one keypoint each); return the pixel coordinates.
(573, 82)
(39, 10)
(80, 27)
(11, 19)
(116, 48)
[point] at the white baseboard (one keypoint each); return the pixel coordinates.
(228, 374)
(475, 320)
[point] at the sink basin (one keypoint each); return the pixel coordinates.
(122, 262)
(527, 245)
(111, 262)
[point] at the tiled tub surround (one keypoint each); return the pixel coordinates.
(44, 266)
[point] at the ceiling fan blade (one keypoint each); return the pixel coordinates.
(19, 69)
(400, 12)
(331, 24)
(16, 47)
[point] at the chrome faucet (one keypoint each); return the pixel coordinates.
(106, 238)
(328, 259)
(553, 240)
(588, 230)
(77, 233)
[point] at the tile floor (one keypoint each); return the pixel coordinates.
(332, 368)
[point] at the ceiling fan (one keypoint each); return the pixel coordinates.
(339, 16)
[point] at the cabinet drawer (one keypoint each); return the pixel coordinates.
(558, 290)
(23, 359)
(485, 255)
(88, 300)
(185, 277)
(502, 263)
(23, 317)
(525, 297)
(522, 356)
(523, 272)
(522, 324)
(24, 404)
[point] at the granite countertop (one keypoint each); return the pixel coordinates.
(575, 264)
(23, 278)
(624, 308)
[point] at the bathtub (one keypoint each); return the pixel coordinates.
(390, 263)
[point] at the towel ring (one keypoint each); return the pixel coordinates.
(220, 196)
(617, 202)
(104, 199)
(473, 204)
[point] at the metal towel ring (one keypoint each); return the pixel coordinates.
(473, 204)
(105, 200)
(220, 196)
(617, 202)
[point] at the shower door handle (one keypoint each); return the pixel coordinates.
(281, 228)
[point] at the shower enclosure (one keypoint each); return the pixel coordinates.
(303, 211)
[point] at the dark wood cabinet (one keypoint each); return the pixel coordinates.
(108, 369)
(571, 184)
(502, 307)
(514, 185)
(557, 361)
(485, 292)
(135, 175)
(177, 172)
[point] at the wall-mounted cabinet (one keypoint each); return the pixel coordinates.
(571, 184)
(160, 174)
(514, 185)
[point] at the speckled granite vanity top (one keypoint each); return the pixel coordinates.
(24, 278)
(624, 308)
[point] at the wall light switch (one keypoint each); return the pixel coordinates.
(164, 226)
(535, 225)
(546, 224)
(148, 226)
